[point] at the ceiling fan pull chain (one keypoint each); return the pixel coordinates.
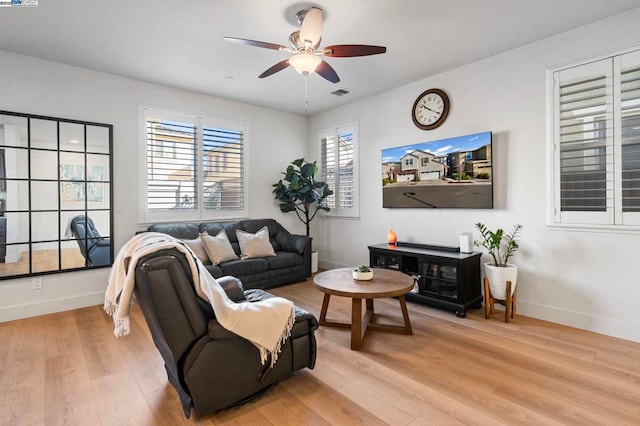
(306, 100)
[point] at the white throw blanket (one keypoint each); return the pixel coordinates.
(266, 323)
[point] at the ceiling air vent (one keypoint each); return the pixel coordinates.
(340, 92)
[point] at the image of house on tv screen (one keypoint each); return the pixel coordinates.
(448, 173)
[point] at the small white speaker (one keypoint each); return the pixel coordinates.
(466, 242)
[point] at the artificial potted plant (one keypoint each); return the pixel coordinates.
(500, 246)
(363, 273)
(300, 192)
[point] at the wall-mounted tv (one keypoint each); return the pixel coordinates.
(454, 173)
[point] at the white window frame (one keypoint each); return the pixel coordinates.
(146, 216)
(613, 220)
(352, 212)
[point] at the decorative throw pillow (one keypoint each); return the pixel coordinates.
(218, 248)
(197, 248)
(255, 245)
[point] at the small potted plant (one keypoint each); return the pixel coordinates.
(500, 246)
(363, 273)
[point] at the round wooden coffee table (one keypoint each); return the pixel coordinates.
(385, 283)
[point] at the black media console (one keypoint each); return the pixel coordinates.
(445, 277)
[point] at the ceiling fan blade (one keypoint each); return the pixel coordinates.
(350, 50)
(311, 28)
(274, 69)
(326, 71)
(255, 43)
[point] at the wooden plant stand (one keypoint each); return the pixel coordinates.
(509, 304)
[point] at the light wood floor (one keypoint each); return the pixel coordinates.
(43, 261)
(67, 368)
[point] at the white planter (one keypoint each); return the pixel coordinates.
(314, 262)
(498, 278)
(362, 276)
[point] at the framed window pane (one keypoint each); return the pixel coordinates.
(71, 256)
(44, 195)
(15, 163)
(16, 260)
(45, 257)
(44, 164)
(72, 137)
(101, 220)
(44, 227)
(98, 139)
(44, 134)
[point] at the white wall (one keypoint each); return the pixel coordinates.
(584, 279)
(40, 87)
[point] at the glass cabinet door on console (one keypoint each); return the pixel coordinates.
(439, 279)
(385, 261)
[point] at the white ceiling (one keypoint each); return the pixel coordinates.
(179, 43)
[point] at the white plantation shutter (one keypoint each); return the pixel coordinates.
(339, 169)
(584, 143)
(596, 143)
(630, 138)
(223, 154)
(195, 168)
(345, 177)
(171, 165)
(328, 166)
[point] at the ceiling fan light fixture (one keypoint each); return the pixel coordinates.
(305, 63)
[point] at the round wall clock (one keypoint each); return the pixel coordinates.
(430, 110)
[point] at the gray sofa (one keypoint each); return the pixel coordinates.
(292, 262)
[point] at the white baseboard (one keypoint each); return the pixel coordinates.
(10, 313)
(608, 326)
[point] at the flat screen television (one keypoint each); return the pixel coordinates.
(454, 173)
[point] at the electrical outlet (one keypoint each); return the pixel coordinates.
(36, 284)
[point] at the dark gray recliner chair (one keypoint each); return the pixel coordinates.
(210, 367)
(95, 248)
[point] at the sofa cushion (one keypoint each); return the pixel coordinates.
(213, 228)
(284, 259)
(183, 231)
(255, 245)
(276, 230)
(242, 267)
(198, 249)
(218, 248)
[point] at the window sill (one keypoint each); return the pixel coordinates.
(340, 216)
(612, 229)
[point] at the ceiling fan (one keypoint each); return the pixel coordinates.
(305, 45)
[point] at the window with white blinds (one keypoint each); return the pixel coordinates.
(339, 169)
(596, 143)
(630, 137)
(195, 168)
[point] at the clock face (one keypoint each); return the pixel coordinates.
(430, 109)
